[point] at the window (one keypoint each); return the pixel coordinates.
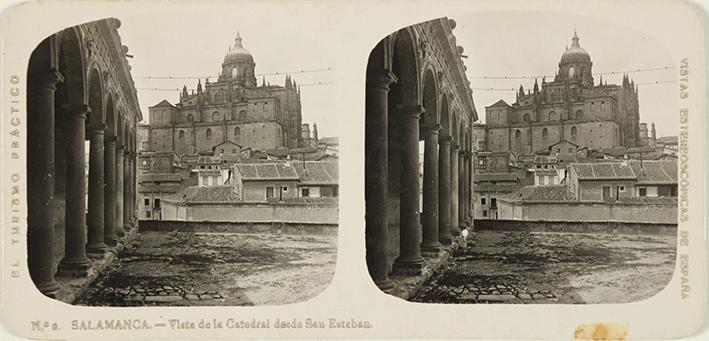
(552, 116)
(182, 134)
(484, 213)
(482, 201)
(147, 201)
(269, 192)
(579, 114)
(642, 191)
(305, 192)
(221, 150)
(144, 162)
(147, 214)
(190, 118)
(571, 150)
(573, 132)
(156, 203)
(285, 188)
(237, 131)
(209, 133)
(545, 133)
(216, 116)
(493, 202)
(526, 118)
(233, 150)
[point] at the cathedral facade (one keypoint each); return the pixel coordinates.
(233, 108)
(570, 108)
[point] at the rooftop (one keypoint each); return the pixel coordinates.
(317, 172)
(555, 193)
(495, 177)
(661, 172)
(211, 194)
(266, 171)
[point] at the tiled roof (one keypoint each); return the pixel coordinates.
(554, 193)
(267, 171)
(162, 188)
(499, 188)
(211, 194)
(163, 103)
(655, 172)
(545, 172)
(495, 177)
(544, 159)
(603, 171)
(317, 172)
(152, 177)
(499, 103)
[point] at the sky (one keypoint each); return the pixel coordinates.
(194, 44)
(531, 44)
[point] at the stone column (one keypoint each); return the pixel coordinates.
(40, 184)
(468, 192)
(444, 190)
(134, 187)
(376, 175)
(109, 192)
(119, 191)
(461, 190)
(126, 190)
(430, 245)
(75, 262)
(454, 196)
(409, 261)
(95, 246)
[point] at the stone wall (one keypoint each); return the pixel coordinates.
(591, 134)
(586, 212)
(238, 227)
(251, 212)
(575, 226)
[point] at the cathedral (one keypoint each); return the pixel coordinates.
(570, 108)
(233, 108)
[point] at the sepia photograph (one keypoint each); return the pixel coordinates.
(167, 169)
(532, 172)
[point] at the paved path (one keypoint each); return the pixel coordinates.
(544, 267)
(190, 269)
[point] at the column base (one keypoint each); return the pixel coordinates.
(48, 289)
(96, 251)
(385, 284)
(446, 239)
(408, 267)
(454, 230)
(74, 267)
(110, 241)
(430, 249)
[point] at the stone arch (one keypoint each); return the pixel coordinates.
(553, 116)
(573, 132)
(111, 118)
(526, 118)
(216, 116)
(237, 134)
(579, 114)
(429, 97)
(208, 133)
(95, 97)
(445, 120)
(404, 65)
(545, 133)
(71, 65)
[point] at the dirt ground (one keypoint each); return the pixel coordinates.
(179, 268)
(545, 267)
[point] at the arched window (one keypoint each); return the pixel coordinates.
(579, 114)
(190, 118)
(237, 133)
(216, 116)
(209, 133)
(242, 114)
(552, 116)
(526, 117)
(573, 132)
(518, 135)
(182, 134)
(545, 133)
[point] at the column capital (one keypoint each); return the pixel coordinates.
(454, 146)
(48, 79)
(428, 128)
(381, 79)
(77, 110)
(412, 111)
(444, 139)
(98, 130)
(119, 147)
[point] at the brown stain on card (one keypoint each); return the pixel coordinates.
(601, 331)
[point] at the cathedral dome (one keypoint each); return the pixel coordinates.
(237, 53)
(576, 53)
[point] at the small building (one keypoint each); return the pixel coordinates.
(548, 177)
(609, 181)
(317, 179)
(152, 189)
(265, 181)
(487, 188)
(564, 151)
(492, 162)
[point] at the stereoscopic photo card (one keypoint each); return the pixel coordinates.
(364, 170)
